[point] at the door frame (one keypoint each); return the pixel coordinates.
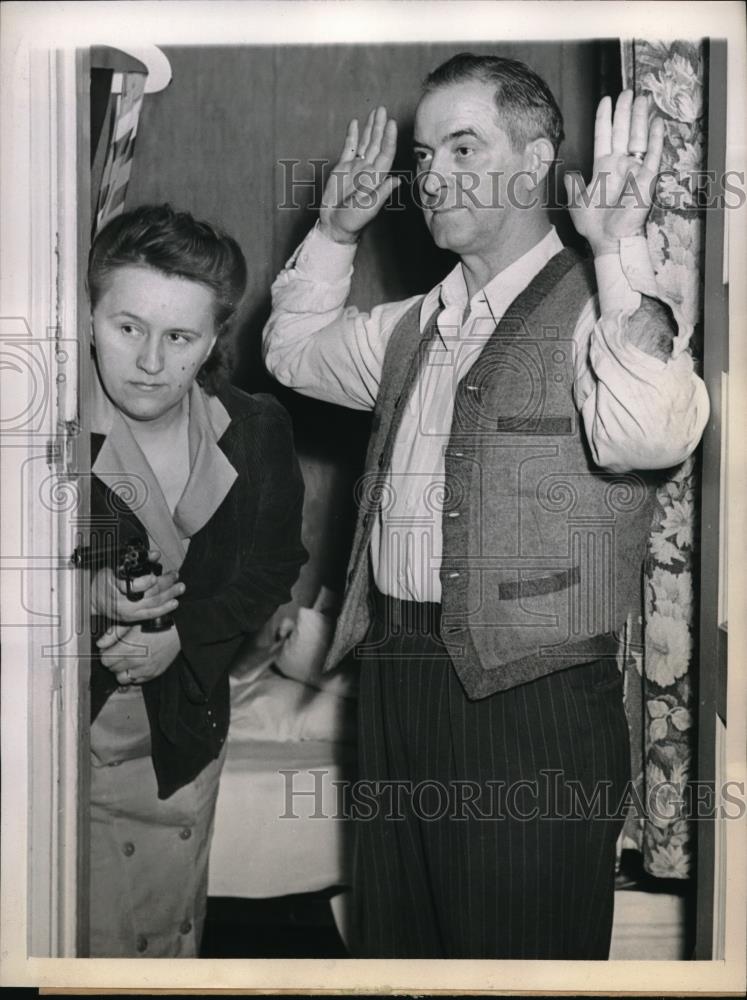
(720, 880)
(43, 187)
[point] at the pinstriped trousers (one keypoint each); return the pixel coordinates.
(486, 841)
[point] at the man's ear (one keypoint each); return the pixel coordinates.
(538, 158)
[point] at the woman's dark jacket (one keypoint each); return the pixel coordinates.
(238, 570)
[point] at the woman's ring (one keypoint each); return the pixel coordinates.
(638, 156)
(127, 676)
(360, 156)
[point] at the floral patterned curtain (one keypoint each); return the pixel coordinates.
(659, 671)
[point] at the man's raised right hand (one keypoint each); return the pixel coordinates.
(360, 183)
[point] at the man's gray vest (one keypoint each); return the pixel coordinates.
(542, 550)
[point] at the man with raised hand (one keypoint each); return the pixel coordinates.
(501, 526)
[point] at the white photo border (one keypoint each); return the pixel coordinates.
(76, 24)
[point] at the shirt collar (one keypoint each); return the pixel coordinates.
(493, 300)
(123, 467)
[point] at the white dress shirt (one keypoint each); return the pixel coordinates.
(639, 412)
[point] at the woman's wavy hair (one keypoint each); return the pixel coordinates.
(177, 244)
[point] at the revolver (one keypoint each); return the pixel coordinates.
(129, 561)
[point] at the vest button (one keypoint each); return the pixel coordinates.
(128, 849)
(142, 943)
(185, 833)
(185, 927)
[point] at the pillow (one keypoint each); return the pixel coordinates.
(270, 706)
(304, 649)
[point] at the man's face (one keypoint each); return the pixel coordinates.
(152, 333)
(464, 161)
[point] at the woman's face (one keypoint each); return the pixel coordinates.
(152, 333)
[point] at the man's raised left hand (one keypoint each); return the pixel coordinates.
(617, 202)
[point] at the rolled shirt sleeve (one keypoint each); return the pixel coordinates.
(639, 411)
(316, 344)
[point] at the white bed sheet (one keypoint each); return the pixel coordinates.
(280, 833)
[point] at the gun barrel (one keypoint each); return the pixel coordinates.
(98, 555)
(93, 557)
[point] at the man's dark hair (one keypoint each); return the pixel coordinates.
(178, 245)
(526, 107)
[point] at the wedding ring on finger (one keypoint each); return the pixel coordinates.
(637, 156)
(360, 156)
(127, 676)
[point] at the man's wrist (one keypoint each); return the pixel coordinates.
(600, 248)
(337, 235)
(615, 291)
(605, 247)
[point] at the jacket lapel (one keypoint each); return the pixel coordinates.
(211, 474)
(138, 489)
(125, 471)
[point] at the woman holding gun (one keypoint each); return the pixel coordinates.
(195, 478)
